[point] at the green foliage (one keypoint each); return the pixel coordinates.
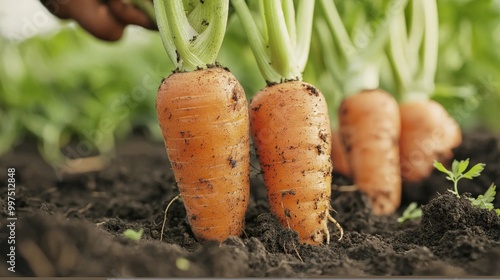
(410, 213)
(133, 235)
(72, 87)
(483, 201)
(457, 172)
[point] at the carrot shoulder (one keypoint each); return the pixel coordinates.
(291, 130)
(204, 120)
(370, 129)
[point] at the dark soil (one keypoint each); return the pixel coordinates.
(74, 227)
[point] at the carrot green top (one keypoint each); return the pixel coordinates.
(414, 55)
(192, 31)
(363, 65)
(281, 43)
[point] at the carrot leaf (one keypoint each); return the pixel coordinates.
(456, 173)
(462, 166)
(133, 235)
(439, 166)
(484, 201)
(475, 171)
(410, 213)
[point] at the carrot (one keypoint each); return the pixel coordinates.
(369, 118)
(428, 132)
(295, 155)
(289, 123)
(203, 115)
(339, 155)
(370, 129)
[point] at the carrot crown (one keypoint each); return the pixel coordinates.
(192, 31)
(281, 43)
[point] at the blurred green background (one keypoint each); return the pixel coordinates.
(64, 85)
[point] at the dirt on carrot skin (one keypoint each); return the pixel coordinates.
(73, 227)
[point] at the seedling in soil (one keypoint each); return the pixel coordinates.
(133, 235)
(411, 212)
(182, 264)
(457, 172)
(483, 201)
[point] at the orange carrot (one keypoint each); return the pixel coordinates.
(289, 120)
(291, 130)
(339, 156)
(370, 129)
(428, 133)
(369, 120)
(203, 116)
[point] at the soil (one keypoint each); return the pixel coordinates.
(74, 226)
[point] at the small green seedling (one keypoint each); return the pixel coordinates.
(483, 201)
(457, 172)
(182, 264)
(411, 212)
(133, 235)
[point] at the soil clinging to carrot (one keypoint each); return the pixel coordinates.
(77, 224)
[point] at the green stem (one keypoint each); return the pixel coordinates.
(209, 42)
(282, 56)
(338, 30)
(305, 18)
(331, 62)
(416, 33)
(193, 48)
(362, 74)
(257, 40)
(430, 46)
(455, 186)
(376, 47)
(289, 13)
(398, 55)
(282, 45)
(163, 27)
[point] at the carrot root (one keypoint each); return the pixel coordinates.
(291, 131)
(203, 116)
(370, 129)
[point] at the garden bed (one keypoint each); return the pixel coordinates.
(73, 227)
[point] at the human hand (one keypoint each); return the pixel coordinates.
(105, 19)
